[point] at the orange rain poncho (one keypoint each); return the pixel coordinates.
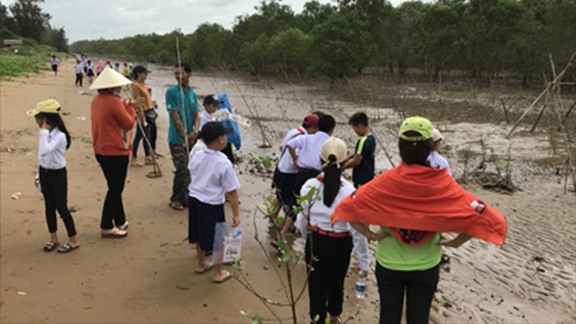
(420, 198)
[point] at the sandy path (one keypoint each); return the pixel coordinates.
(148, 277)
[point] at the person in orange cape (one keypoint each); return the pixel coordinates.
(412, 204)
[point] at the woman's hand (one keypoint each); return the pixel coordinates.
(379, 236)
(455, 242)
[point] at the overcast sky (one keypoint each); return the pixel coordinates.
(108, 19)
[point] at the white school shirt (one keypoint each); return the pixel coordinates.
(78, 68)
(286, 163)
(321, 217)
(310, 147)
(205, 117)
(437, 161)
(51, 148)
(213, 176)
(198, 147)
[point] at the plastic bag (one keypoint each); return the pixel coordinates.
(227, 243)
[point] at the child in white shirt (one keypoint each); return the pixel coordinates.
(214, 179)
(52, 180)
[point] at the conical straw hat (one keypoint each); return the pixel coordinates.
(109, 79)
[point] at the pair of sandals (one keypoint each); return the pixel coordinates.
(51, 246)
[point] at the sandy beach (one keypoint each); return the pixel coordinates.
(149, 276)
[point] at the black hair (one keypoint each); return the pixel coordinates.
(55, 120)
(318, 113)
(332, 174)
(139, 69)
(415, 152)
(185, 65)
(358, 118)
(326, 123)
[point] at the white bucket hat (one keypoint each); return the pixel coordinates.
(437, 136)
(109, 79)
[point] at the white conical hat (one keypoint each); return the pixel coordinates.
(109, 79)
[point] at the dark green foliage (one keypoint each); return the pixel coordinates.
(477, 39)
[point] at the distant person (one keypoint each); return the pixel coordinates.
(183, 129)
(79, 70)
(52, 179)
(139, 91)
(214, 180)
(112, 120)
(109, 64)
(126, 70)
(117, 67)
(90, 73)
(436, 160)
(99, 68)
(307, 159)
(362, 160)
(54, 62)
(84, 61)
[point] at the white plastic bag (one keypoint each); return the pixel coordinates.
(227, 243)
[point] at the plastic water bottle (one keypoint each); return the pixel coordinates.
(360, 289)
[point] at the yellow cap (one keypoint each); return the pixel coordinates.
(50, 106)
(420, 125)
(334, 146)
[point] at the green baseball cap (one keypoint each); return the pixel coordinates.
(417, 124)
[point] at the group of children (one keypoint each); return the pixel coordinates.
(84, 66)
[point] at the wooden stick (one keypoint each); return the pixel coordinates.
(558, 78)
(539, 116)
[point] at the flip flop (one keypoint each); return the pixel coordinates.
(176, 206)
(51, 246)
(228, 276)
(68, 248)
(115, 233)
(206, 269)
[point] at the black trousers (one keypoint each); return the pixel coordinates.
(326, 280)
(78, 79)
(303, 176)
(152, 132)
(420, 287)
(115, 168)
(54, 185)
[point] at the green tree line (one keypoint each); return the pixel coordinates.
(26, 19)
(478, 39)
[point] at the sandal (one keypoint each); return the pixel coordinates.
(136, 164)
(115, 232)
(124, 226)
(50, 246)
(149, 162)
(176, 206)
(206, 269)
(226, 277)
(67, 248)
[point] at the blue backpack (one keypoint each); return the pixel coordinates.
(233, 137)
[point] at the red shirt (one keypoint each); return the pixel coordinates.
(112, 120)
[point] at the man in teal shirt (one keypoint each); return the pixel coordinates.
(183, 131)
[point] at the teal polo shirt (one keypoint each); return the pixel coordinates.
(174, 103)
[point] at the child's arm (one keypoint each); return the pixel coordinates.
(293, 154)
(356, 159)
(233, 198)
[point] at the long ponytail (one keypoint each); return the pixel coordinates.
(332, 173)
(55, 120)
